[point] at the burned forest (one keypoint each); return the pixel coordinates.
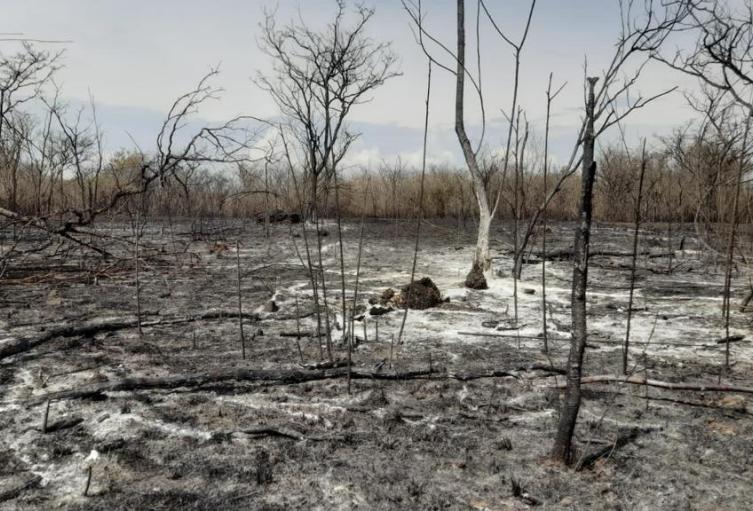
(461, 255)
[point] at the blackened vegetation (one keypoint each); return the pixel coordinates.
(277, 216)
(475, 278)
(422, 294)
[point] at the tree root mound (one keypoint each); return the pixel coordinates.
(475, 278)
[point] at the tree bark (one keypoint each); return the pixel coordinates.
(311, 212)
(634, 259)
(569, 415)
(481, 257)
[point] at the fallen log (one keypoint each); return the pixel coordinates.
(89, 329)
(284, 432)
(641, 380)
(63, 424)
(301, 335)
(731, 338)
(567, 253)
(270, 431)
(496, 373)
(268, 377)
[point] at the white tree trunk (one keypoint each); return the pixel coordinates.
(482, 256)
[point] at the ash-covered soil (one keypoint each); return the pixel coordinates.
(470, 427)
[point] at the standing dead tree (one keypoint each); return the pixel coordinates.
(721, 61)
(571, 405)
(22, 77)
(639, 36)
(550, 97)
(634, 257)
(317, 79)
(721, 57)
(178, 144)
(481, 176)
(705, 152)
(741, 168)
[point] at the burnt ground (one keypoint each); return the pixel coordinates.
(431, 442)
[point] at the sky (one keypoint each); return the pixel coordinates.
(135, 57)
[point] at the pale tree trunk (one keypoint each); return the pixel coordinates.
(481, 259)
(569, 414)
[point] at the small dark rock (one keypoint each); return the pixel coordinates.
(379, 311)
(475, 278)
(271, 306)
(490, 324)
(529, 291)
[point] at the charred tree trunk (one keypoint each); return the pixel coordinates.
(312, 209)
(732, 235)
(634, 259)
(571, 405)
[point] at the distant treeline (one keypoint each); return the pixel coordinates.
(684, 183)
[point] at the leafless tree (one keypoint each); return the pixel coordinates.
(571, 405)
(643, 32)
(317, 79)
(22, 76)
(705, 153)
(550, 97)
(634, 256)
(178, 145)
(641, 35)
(721, 56)
(481, 176)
